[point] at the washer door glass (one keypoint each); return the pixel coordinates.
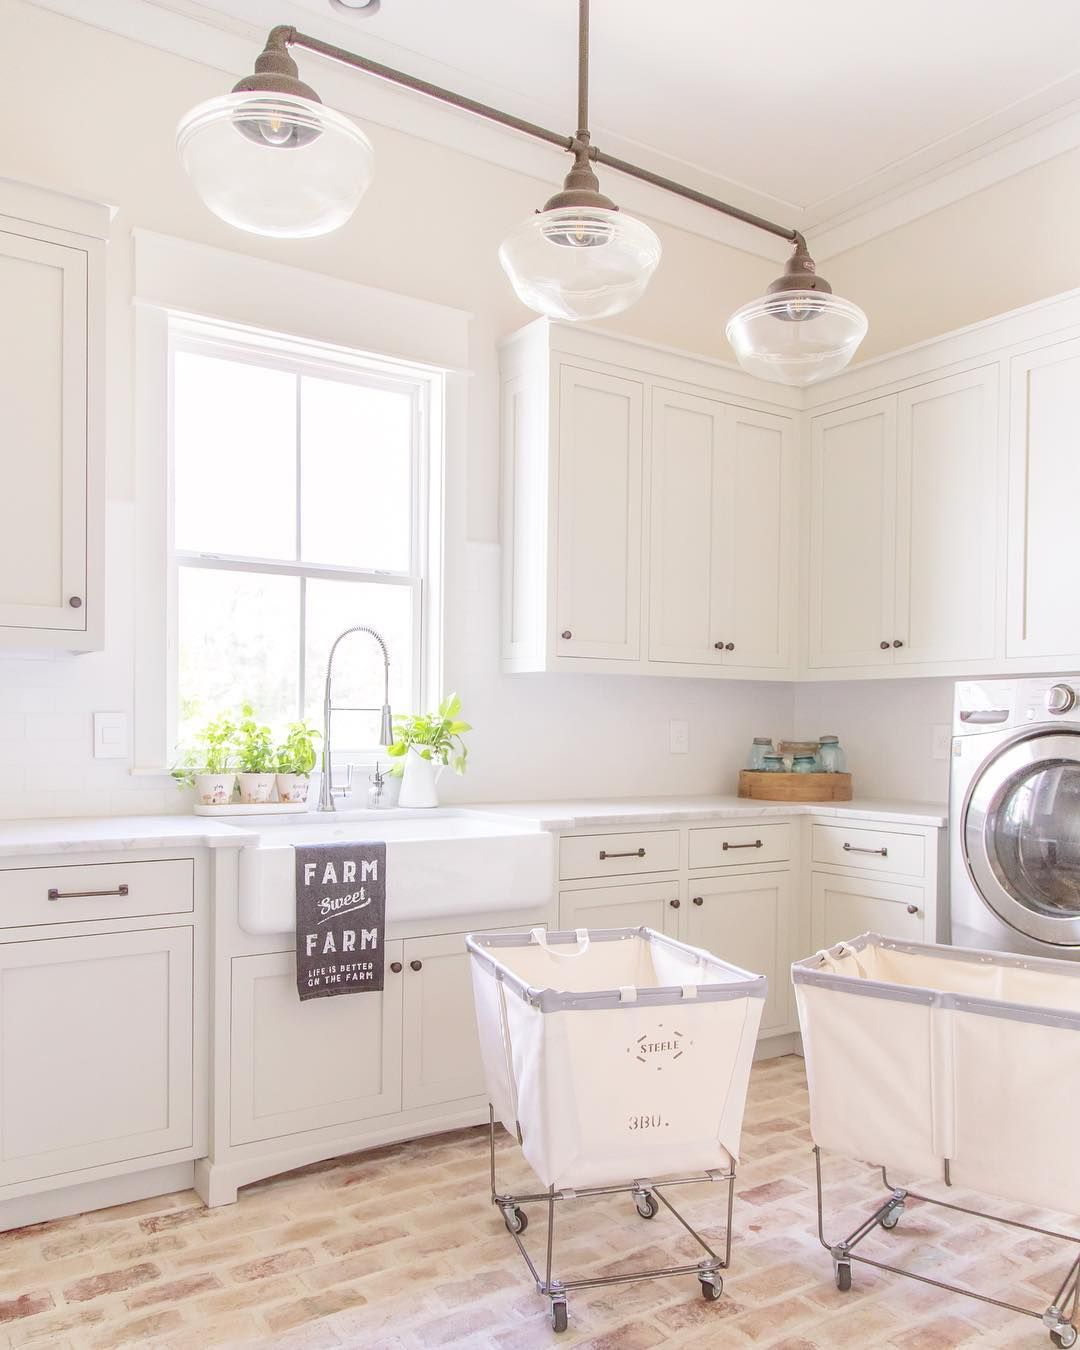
(1022, 836)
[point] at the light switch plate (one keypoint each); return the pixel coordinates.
(679, 737)
(110, 735)
(940, 740)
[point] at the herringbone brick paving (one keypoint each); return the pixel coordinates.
(399, 1249)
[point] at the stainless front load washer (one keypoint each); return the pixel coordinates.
(1014, 816)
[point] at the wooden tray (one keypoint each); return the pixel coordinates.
(795, 787)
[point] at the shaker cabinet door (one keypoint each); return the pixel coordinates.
(441, 1046)
(599, 548)
(43, 448)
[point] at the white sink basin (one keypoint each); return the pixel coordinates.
(437, 864)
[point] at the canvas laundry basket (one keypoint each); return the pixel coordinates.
(918, 1054)
(615, 1054)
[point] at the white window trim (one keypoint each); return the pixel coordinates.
(177, 280)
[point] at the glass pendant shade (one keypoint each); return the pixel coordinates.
(580, 262)
(796, 336)
(276, 164)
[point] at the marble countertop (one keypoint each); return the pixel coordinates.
(113, 834)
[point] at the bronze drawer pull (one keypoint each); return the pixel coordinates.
(756, 844)
(633, 853)
(880, 852)
(54, 894)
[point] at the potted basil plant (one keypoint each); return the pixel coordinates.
(209, 764)
(296, 757)
(427, 743)
(256, 758)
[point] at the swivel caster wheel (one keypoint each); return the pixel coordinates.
(558, 1314)
(647, 1205)
(891, 1217)
(516, 1219)
(1065, 1337)
(712, 1286)
(842, 1275)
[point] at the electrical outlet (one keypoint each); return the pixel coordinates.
(110, 735)
(940, 740)
(679, 735)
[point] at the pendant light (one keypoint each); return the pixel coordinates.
(270, 158)
(798, 332)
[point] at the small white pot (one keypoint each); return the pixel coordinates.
(418, 783)
(256, 787)
(214, 789)
(293, 787)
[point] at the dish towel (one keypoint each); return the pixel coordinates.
(340, 918)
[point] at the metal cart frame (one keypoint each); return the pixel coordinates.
(1059, 1317)
(646, 1193)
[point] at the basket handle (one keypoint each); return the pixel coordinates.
(539, 936)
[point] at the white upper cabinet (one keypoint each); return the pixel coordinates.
(648, 525)
(852, 536)
(50, 450)
(1044, 492)
(598, 553)
(904, 528)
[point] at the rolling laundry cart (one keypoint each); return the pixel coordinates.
(619, 1059)
(944, 1062)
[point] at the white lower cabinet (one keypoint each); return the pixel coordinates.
(748, 920)
(653, 904)
(96, 1051)
(842, 907)
(303, 1066)
(440, 1045)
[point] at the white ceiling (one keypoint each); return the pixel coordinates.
(818, 114)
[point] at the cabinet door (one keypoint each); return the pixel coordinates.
(757, 540)
(853, 536)
(598, 586)
(653, 904)
(43, 394)
(95, 1051)
(689, 542)
(440, 1047)
(946, 527)
(1044, 488)
(844, 907)
(747, 920)
(303, 1066)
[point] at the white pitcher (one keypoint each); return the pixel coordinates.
(418, 783)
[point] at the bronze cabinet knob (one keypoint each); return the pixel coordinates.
(416, 965)
(395, 966)
(729, 646)
(913, 909)
(699, 900)
(884, 646)
(75, 602)
(719, 646)
(897, 642)
(674, 904)
(566, 634)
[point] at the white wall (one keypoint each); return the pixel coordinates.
(430, 227)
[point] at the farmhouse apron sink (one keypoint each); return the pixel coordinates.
(438, 863)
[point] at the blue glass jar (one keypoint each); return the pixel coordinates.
(772, 763)
(831, 755)
(804, 764)
(761, 747)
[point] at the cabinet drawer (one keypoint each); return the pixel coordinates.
(37, 895)
(616, 855)
(873, 850)
(737, 845)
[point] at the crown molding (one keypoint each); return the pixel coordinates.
(187, 29)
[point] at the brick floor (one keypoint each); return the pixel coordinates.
(399, 1249)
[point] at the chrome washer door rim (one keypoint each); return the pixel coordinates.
(989, 789)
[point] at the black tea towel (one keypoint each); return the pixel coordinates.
(340, 918)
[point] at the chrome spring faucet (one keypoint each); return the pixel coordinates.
(386, 729)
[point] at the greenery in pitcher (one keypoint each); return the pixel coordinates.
(213, 751)
(437, 736)
(254, 744)
(297, 753)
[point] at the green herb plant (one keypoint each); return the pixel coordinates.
(437, 736)
(296, 753)
(254, 744)
(213, 750)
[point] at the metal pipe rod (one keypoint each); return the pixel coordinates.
(583, 70)
(293, 37)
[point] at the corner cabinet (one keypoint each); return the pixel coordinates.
(51, 396)
(648, 515)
